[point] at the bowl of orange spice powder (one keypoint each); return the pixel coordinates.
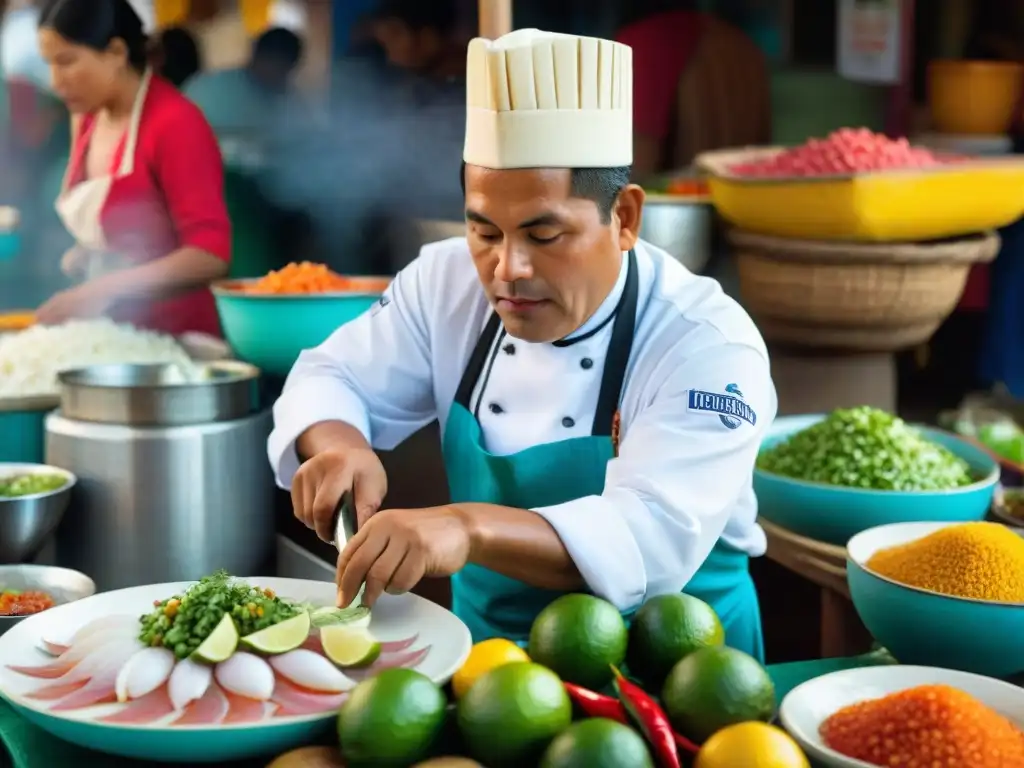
(907, 717)
(268, 321)
(942, 594)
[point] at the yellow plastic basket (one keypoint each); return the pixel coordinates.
(893, 206)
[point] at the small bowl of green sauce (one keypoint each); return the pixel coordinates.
(33, 499)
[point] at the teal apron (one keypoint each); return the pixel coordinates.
(493, 605)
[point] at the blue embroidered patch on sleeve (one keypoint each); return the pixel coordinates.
(730, 408)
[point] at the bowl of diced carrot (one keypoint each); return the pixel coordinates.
(268, 321)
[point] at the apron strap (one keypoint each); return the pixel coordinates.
(619, 349)
(128, 158)
(477, 361)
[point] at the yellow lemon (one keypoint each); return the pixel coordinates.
(483, 657)
(752, 745)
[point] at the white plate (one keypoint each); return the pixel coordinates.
(393, 618)
(809, 705)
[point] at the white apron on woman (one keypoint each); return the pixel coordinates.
(80, 207)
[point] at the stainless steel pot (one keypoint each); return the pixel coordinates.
(173, 478)
(681, 227)
(159, 395)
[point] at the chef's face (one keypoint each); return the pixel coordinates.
(545, 258)
(85, 79)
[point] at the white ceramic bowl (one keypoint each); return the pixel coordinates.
(393, 618)
(809, 705)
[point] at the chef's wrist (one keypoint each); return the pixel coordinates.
(329, 436)
(468, 516)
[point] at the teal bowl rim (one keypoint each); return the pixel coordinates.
(919, 590)
(990, 479)
(222, 288)
(34, 468)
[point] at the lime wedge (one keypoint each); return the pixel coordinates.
(349, 646)
(282, 637)
(219, 644)
(352, 617)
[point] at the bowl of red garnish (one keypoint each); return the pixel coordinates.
(26, 590)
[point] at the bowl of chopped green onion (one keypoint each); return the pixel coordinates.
(33, 499)
(829, 477)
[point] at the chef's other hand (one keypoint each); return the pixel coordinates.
(72, 263)
(320, 482)
(398, 547)
(85, 301)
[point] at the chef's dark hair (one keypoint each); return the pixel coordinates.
(602, 185)
(97, 23)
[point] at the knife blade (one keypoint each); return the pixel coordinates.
(345, 521)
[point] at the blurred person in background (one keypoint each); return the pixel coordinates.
(176, 56)
(419, 38)
(143, 191)
(701, 84)
(247, 99)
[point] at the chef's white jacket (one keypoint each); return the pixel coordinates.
(682, 479)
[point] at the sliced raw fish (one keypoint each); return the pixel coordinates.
(246, 675)
(404, 660)
(55, 691)
(100, 688)
(95, 663)
(189, 681)
(144, 672)
(245, 710)
(311, 671)
(52, 647)
(154, 706)
(96, 638)
(395, 646)
(293, 700)
(58, 642)
(211, 708)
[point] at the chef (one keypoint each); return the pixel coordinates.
(600, 406)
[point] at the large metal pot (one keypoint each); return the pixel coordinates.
(159, 395)
(680, 226)
(173, 478)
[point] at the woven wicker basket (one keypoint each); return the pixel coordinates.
(852, 296)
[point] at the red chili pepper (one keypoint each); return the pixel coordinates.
(651, 719)
(597, 704)
(685, 745)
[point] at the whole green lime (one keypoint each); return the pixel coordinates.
(666, 629)
(391, 720)
(512, 713)
(597, 743)
(580, 637)
(716, 687)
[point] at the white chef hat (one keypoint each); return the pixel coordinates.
(546, 100)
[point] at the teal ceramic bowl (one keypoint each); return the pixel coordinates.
(921, 627)
(23, 430)
(833, 514)
(270, 331)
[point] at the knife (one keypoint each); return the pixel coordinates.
(345, 521)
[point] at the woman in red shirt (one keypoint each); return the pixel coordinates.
(143, 194)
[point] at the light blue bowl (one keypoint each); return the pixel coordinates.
(921, 627)
(834, 514)
(199, 746)
(270, 331)
(23, 431)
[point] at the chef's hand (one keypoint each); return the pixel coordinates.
(320, 482)
(88, 300)
(398, 547)
(72, 263)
